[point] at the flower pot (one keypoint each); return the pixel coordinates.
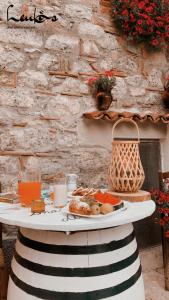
(165, 99)
(103, 100)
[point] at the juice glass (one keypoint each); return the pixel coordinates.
(29, 191)
(29, 185)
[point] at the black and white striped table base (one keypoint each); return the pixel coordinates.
(90, 265)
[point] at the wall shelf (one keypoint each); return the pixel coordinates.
(112, 116)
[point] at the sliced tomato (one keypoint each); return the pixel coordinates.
(99, 196)
(107, 198)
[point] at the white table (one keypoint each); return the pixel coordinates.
(98, 260)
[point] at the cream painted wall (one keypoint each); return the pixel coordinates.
(99, 132)
(165, 152)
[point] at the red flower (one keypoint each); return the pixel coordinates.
(167, 234)
(149, 21)
(139, 22)
(155, 42)
(125, 12)
(161, 222)
(132, 18)
(160, 24)
(143, 20)
(139, 29)
(166, 218)
(109, 73)
(141, 4)
(149, 9)
(92, 80)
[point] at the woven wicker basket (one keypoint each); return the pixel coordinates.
(126, 173)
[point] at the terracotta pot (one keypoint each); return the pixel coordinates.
(103, 100)
(165, 99)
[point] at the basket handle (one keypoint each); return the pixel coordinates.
(126, 120)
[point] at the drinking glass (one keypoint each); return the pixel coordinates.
(71, 182)
(60, 192)
(29, 185)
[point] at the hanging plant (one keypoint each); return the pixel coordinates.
(144, 21)
(101, 87)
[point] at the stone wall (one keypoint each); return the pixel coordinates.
(44, 91)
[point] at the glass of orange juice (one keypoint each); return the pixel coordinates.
(29, 185)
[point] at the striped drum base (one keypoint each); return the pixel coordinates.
(91, 265)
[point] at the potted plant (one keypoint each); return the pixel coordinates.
(165, 96)
(101, 87)
(143, 21)
(161, 199)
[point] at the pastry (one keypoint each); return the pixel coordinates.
(95, 209)
(79, 207)
(90, 199)
(84, 191)
(106, 208)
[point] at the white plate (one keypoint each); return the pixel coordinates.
(113, 213)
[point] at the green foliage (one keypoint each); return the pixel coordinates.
(103, 84)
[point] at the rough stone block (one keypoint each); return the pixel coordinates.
(8, 165)
(32, 78)
(126, 63)
(89, 48)
(19, 97)
(70, 86)
(137, 85)
(88, 29)
(32, 139)
(20, 37)
(80, 65)
(154, 79)
(12, 58)
(78, 11)
(63, 42)
(136, 81)
(8, 79)
(48, 61)
(119, 92)
(109, 42)
(137, 91)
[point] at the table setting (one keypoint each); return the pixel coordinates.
(73, 242)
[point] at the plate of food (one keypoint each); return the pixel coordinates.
(82, 191)
(97, 205)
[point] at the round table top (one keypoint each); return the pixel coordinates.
(55, 220)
